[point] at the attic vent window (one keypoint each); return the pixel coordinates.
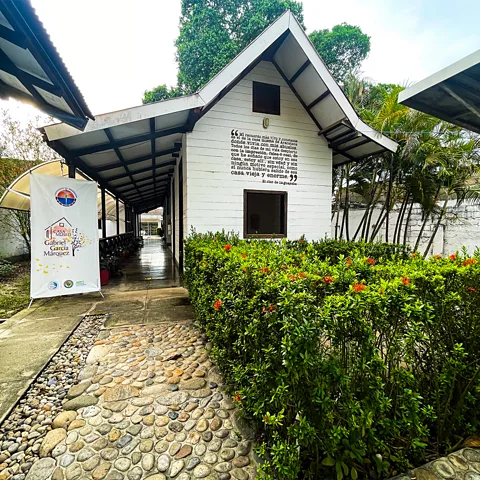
(266, 98)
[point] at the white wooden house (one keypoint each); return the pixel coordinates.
(251, 152)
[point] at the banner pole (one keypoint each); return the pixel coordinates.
(30, 304)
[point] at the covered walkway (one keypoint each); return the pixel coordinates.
(150, 268)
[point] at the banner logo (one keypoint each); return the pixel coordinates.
(65, 197)
(52, 285)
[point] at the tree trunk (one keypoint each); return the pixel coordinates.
(407, 222)
(346, 210)
(361, 224)
(401, 216)
(379, 223)
(417, 243)
(437, 225)
(389, 196)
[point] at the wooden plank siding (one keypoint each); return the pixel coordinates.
(214, 198)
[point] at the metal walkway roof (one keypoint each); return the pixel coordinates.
(452, 94)
(31, 69)
(132, 152)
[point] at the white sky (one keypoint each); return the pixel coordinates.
(116, 49)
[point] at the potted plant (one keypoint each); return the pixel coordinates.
(104, 271)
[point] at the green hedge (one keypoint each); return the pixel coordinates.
(354, 359)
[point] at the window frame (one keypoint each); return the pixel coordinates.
(245, 216)
(277, 88)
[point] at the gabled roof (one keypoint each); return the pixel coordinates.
(452, 94)
(31, 69)
(130, 152)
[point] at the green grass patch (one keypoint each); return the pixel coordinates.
(15, 290)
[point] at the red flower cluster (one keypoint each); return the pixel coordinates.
(453, 256)
(328, 279)
(472, 289)
(349, 262)
(244, 255)
(470, 261)
(359, 287)
(405, 281)
(238, 398)
(271, 308)
(265, 270)
(228, 248)
(370, 261)
(217, 305)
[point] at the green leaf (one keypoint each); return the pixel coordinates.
(328, 462)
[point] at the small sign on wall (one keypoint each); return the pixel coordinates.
(265, 158)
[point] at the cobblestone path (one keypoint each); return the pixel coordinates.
(149, 404)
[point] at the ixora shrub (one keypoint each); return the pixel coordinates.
(354, 360)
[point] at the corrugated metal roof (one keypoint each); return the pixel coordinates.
(31, 69)
(452, 94)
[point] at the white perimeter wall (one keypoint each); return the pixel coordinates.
(460, 228)
(214, 198)
(11, 242)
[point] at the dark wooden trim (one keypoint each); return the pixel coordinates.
(299, 98)
(245, 218)
(334, 126)
(23, 19)
(108, 133)
(325, 94)
(117, 214)
(7, 91)
(300, 71)
(123, 142)
(78, 162)
(153, 148)
(147, 182)
(71, 171)
(124, 184)
(134, 161)
(351, 147)
(137, 172)
(376, 152)
(340, 136)
(104, 214)
(344, 139)
(29, 81)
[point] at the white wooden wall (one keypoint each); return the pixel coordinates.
(215, 197)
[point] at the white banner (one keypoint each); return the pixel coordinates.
(64, 236)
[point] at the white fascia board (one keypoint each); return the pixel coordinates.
(440, 76)
(335, 90)
(376, 136)
(245, 58)
(121, 117)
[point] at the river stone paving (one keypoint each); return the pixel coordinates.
(160, 413)
(463, 464)
(27, 431)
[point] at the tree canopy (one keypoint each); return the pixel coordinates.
(213, 32)
(343, 49)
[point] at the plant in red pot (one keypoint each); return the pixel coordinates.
(104, 272)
